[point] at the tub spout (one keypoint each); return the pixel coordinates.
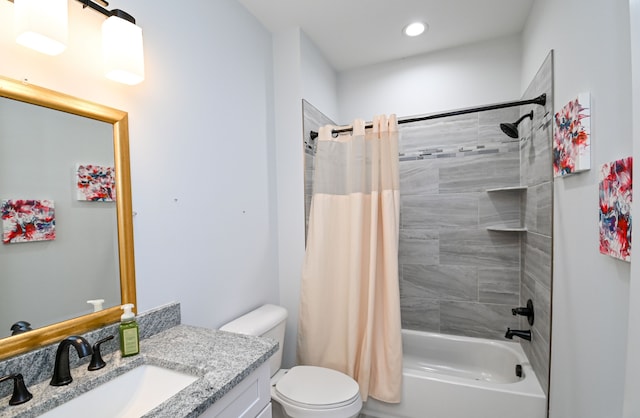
(524, 334)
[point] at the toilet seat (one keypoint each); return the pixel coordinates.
(317, 391)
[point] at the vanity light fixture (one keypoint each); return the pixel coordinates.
(414, 29)
(122, 48)
(42, 26)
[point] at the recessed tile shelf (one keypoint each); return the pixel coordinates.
(502, 228)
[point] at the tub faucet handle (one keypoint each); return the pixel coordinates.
(525, 311)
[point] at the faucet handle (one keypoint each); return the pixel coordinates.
(97, 362)
(20, 392)
(20, 327)
(525, 311)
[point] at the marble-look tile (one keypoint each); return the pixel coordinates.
(439, 133)
(500, 208)
(529, 208)
(498, 116)
(537, 258)
(476, 319)
(542, 308)
(442, 282)
(489, 124)
(537, 351)
(445, 211)
(482, 248)
(418, 246)
(418, 177)
(527, 288)
(536, 156)
(417, 311)
(536, 172)
(308, 174)
(537, 207)
(544, 208)
(499, 285)
(479, 172)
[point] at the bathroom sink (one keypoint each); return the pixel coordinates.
(131, 394)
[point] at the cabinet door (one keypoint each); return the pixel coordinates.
(266, 412)
(247, 399)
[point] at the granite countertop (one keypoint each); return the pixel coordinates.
(220, 359)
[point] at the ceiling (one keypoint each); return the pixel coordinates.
(355, 33)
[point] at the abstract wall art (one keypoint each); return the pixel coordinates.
(27, 220)
(572, 137)
(615, 208)
(96, 183)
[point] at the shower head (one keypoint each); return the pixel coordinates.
(511, 129)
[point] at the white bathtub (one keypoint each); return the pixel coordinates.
(448, 376)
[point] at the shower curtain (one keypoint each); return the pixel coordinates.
(350, 303)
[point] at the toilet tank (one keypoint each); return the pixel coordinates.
(266, 321)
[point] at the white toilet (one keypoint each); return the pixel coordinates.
(303, 391)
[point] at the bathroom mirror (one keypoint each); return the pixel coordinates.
(91, 256)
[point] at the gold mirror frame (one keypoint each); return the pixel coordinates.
(24, 92)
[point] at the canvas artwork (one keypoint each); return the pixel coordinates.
(615, 208)
(27, 220)
(572, 137)
(96, 183)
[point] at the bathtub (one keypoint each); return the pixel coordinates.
(446, 376)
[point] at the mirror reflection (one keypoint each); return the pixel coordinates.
(47, 281)
(65, 241)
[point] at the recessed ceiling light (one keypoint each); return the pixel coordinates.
(414, 29)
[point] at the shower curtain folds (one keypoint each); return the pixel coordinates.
(350, 304)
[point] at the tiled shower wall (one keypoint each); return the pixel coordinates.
(456, 275)
(537, 208)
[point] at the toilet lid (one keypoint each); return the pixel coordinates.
(317, 387)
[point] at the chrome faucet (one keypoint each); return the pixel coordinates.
(61, 372)
(524, 334)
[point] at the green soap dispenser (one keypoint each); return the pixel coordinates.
(129, 333)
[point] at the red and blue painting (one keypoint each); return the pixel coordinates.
(615, 208)
(27, 220)
(572, 137)
(96, 183)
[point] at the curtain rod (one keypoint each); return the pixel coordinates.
(540, 100)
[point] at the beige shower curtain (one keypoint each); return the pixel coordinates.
(350, 304)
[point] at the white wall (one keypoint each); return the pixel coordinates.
(632, 386)
(590, 291)
(300, 72)
(290, 188)
(201, 128)
(471, 75)
(319, 79)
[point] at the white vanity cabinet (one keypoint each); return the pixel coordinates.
(248, 399)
